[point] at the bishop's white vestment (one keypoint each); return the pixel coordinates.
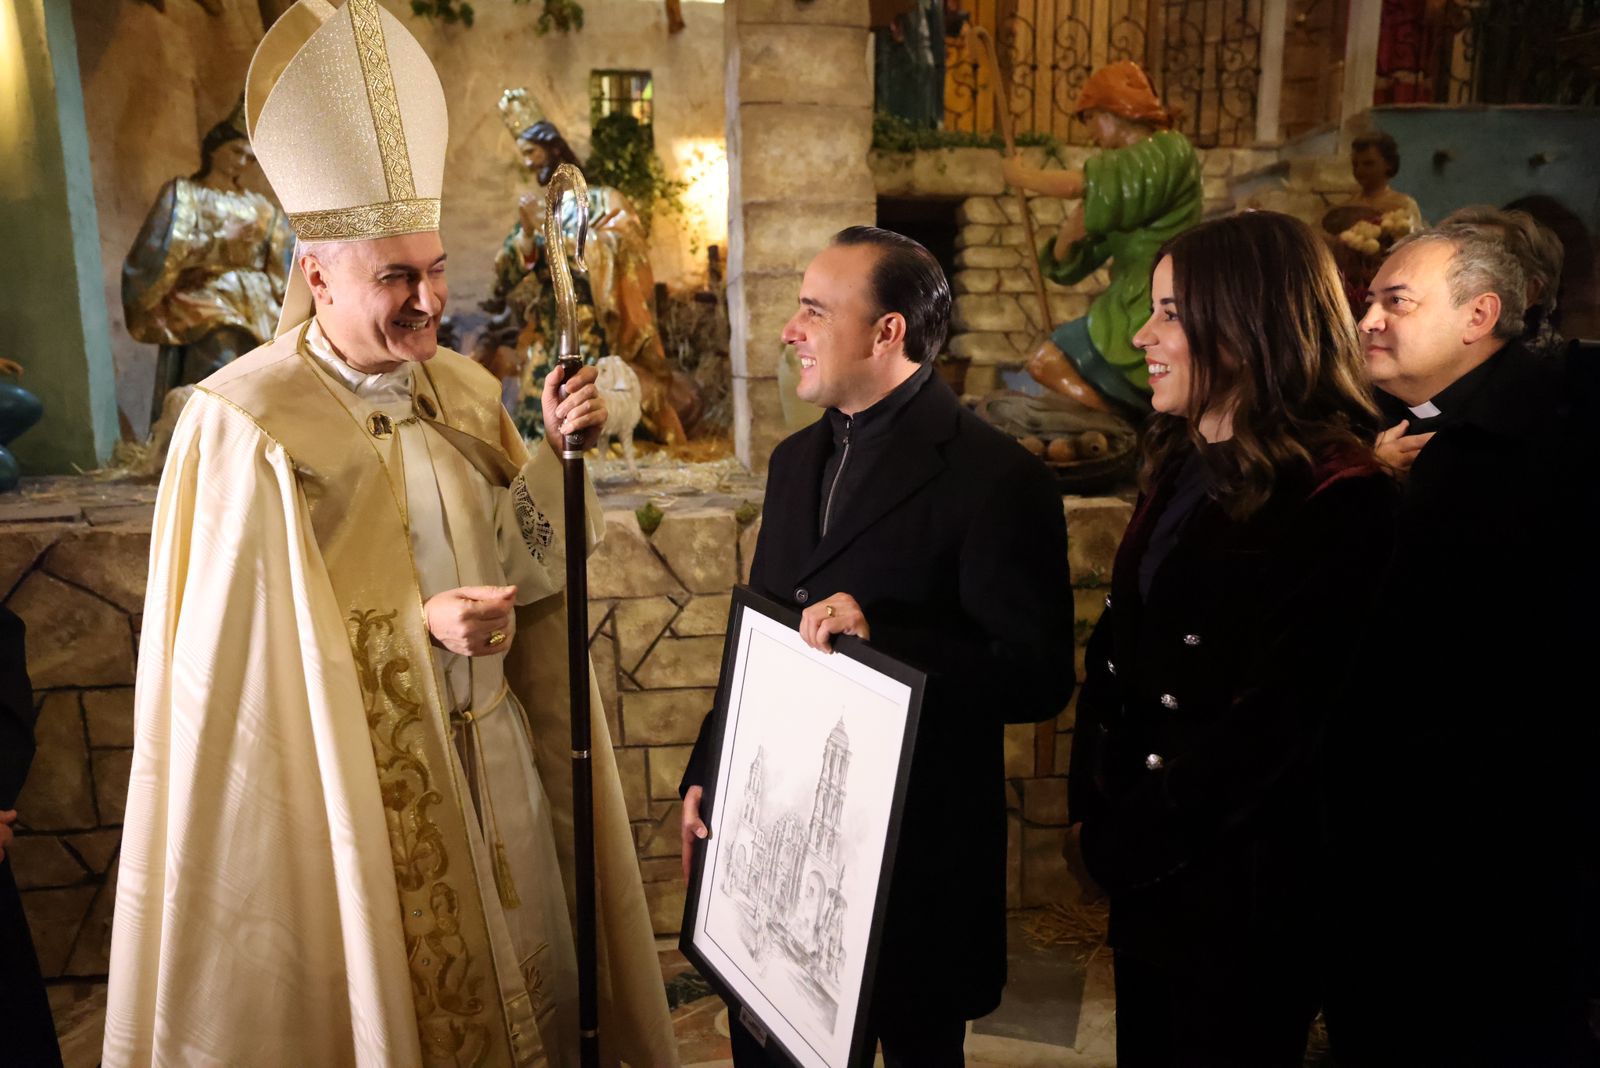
(344, 845)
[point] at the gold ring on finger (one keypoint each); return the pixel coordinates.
(497, 638)
(829, 607)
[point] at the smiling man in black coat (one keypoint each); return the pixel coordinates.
(903, 519)
(1461, 798)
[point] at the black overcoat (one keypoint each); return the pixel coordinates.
(1202, 711)
(955, 546)
(1461, 776)
(27, 1032)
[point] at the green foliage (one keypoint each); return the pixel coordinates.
(649, 517)
(563, 15)
(891, 133)
(623, 156)
(443, 10)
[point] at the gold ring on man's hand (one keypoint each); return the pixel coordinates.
(829, 607)
(497, 638)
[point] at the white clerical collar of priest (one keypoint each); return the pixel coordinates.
(1426, 410)
(384, 386)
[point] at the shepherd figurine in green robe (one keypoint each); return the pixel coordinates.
(1141, 191)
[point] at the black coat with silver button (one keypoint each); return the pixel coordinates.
(1202, 710)
(955, 547)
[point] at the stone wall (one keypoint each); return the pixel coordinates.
(997, 319)
(74, 569)
(799, 113)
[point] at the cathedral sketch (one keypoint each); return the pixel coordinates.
(785, 877)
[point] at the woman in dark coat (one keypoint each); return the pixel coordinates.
(1240, 588)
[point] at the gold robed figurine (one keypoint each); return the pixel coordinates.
(206, 275)
(615, 300)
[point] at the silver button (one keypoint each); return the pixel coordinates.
(1168, 701)
(1191, 639)
(1153, 762)
(1111, 667)
(802, 595)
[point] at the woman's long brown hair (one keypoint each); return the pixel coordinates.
(1270, 336)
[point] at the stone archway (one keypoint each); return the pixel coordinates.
(799, 121)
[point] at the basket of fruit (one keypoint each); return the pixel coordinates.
(1087, 451)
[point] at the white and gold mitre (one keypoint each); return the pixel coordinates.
(347, 116)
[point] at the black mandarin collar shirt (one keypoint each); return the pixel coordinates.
(858, 442)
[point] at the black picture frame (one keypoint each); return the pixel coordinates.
(754, 620)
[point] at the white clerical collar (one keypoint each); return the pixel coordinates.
(387, 385)
(1426, 410)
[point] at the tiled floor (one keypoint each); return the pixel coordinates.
(1055, 1013)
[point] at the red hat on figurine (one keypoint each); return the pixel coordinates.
(1123, 88)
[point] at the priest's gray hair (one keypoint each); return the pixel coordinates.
(1482, 262)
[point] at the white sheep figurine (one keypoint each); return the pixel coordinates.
(619, 385)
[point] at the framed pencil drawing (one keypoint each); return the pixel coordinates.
(803, 800)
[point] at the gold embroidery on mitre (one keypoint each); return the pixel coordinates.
(452, 986)
(374, 55)
(389, 219)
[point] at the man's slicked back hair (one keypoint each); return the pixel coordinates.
(906, 279)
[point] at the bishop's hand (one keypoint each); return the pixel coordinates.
(472, 620)
(571, 406)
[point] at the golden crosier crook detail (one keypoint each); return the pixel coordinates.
(566, 179)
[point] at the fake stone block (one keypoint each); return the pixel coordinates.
(988, 312)
(794, 153)
(54, 919)
(110, 717)
(975, 281)
(976, 234)
(635, 784)
(20, 549)
(111, 767)
(624, 565)
(40, 860)
(699, 548)
(58, 794)
(666, 770)
(92, 953)
(703, 616)
(747, 547)
(781, 237)
(983, 211)
(1019, 750)
(1044, 801)
(989, 256)
(96, 848)
(681, 662)
(767, 302)
(661, 837)
(665, 717)
(111, 562)
(665, 900)
(74, 638)
(639, 623)
(815, 65)
(1094, 530)
(1044, 871)
(984, 348)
